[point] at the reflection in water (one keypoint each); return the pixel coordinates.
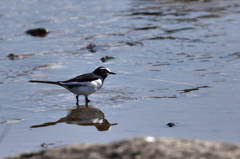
(85, 116)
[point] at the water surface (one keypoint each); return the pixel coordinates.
(176, 61)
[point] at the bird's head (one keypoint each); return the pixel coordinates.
(103, 71)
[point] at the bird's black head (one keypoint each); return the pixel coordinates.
(103, 72)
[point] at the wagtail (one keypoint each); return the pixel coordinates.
(84, 84)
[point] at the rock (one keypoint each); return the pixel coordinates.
(40, 32)
(14, 57)
(171, 124)
(91, 47)
(106, 58)
(133, 43)
(140, 148)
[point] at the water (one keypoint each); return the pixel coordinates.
(176, 61)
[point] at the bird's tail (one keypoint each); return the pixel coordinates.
(48, 82)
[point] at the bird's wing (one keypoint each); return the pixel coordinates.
(82, 80)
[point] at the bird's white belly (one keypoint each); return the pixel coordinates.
(83, 88)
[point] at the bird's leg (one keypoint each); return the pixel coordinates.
(86, 104)
(77, 100)
(86, 99)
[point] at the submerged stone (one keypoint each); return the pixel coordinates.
(171, 124)
(39, 32)
(14, 57)
(106, 58)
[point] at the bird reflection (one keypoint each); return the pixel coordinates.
(83, 116)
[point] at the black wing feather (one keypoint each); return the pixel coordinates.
(83, 78)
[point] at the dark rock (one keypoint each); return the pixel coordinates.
(39, 32)
(171, 124)
(14, 57)
(91, 47)
(106, 58)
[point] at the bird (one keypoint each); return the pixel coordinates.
(84, 84)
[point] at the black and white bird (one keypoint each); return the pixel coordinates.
(84, 84)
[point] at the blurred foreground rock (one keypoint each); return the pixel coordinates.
(140, 148)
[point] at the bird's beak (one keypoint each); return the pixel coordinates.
(112, 73)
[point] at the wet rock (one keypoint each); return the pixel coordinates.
(91, 47)
(133, 43)
(39, 32)
(106, 58)
(140, 148)
(235, 54)
(14, 57)
(171, 124)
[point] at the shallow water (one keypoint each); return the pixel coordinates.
(176, 61)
